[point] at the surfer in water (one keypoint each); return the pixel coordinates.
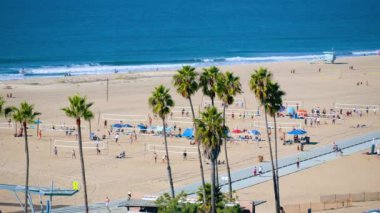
(22, 71)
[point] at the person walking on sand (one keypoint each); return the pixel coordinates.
(378, 153)
(55, 151)
(73, 155)
(298, 163)
(155, 157)
(260, 170)
(254, 171)
(107, 202)
(117, 137)
(185, 155)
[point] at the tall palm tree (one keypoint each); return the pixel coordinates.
(259, 85)
(209, 131)
(79, 108)
(161, 102)
(25, 114)
(208, 82)
(228, 86)
(186, 83)
(273, 105)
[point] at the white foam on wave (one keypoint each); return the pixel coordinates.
(372, 52)
(271, 58)
(96, 69)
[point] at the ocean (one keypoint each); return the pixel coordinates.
(52, 38)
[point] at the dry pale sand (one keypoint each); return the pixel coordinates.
(107, 176)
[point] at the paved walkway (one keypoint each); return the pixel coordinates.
(244, 178)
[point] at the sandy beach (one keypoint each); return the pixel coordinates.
(139, 174)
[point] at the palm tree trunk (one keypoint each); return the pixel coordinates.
(82, 164)
(225, 152)
(276, 158)
(213, 202)
(27, 167)
(168, 162)
(199, 155)
(89, 127)
(16, 128)
(272, 162)
(216, 176)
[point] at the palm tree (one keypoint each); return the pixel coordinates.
(259, 85)
(273, 105)
(161, 102)
(209, 132)
(78, 109)
(186, 83)
(25, 114)
(208, 82)
(228, 86)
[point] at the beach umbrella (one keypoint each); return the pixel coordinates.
(297, 132)
(127, 126)
(188, 133)
(117, 125)
(237, 131)
(141, 126)
(254, 132)
(290, 111)
(38, 121)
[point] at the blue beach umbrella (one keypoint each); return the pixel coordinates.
(188, 133)
(38, 121)
(117, 125)
(141, 126)
(297, 132)
(127, 126)
(254, 132)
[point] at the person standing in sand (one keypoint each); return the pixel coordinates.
(117, 137)
(155, 157)
(55, 151)
(73, 155)
(298, 163)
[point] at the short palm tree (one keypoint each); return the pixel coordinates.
(259, 85)
(208, 82)
(228, 86)
(79, 108)
(161, 102)
(273, 105)
(25, 115)
(209, 132)
(185, 80)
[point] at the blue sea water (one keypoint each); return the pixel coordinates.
(50, 38)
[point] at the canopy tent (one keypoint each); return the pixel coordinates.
(160, 129)
(141, 127)
(297, 132)
(38, 121)
(188, 133)
(237, 131)
(118, 125)
(290, 111)
(254, 132)
(302, 113)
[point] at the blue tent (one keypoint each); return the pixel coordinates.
(254, 132)
(291, 111)
(141, 126)
(297, 132)
(37, 121)
(188, 133)
(127, 126)
(117, 125)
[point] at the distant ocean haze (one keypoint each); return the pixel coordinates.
(53, 38)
